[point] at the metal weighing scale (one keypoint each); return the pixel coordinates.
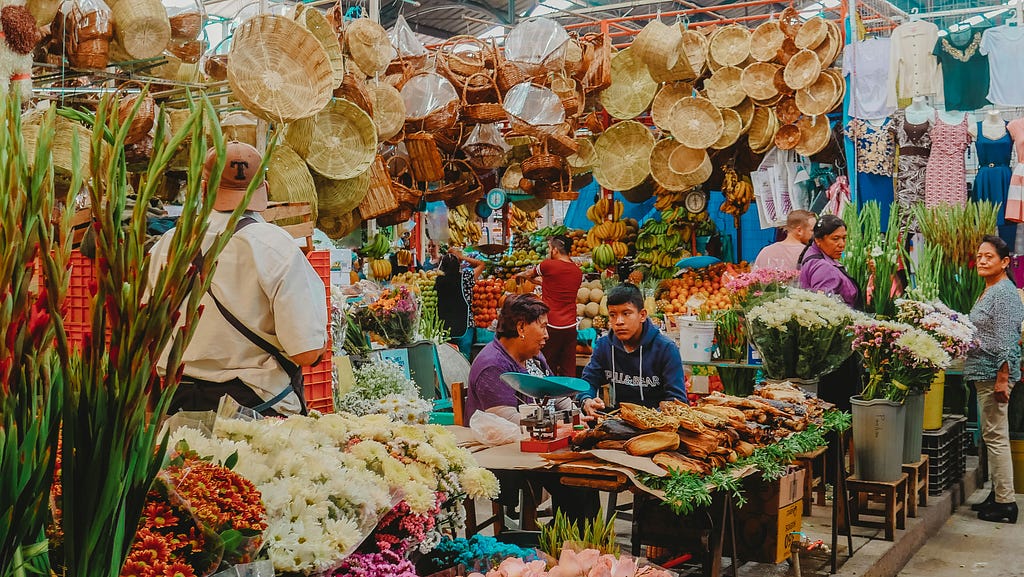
(543, 418)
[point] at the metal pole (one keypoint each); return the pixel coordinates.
(375, 10)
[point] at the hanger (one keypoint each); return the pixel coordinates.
(915, 15)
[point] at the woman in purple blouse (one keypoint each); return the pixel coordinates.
(820, 270)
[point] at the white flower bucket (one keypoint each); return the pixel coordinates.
(696, 339)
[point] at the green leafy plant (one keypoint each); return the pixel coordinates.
(954, 233)
(554, 534)
(33, 283)
(431, 326)
(116, 399)
(597, 533)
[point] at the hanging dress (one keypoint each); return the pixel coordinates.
(876, 156)
(1015, 195)
(993, 179)
(915, 145)
(945, 180)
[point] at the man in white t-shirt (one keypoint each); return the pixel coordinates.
(274, 295)
(785, 254)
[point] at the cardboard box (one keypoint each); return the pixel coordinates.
(768, 538)
(767, 498)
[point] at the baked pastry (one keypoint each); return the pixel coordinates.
(652, 443)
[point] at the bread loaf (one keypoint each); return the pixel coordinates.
(651, 443)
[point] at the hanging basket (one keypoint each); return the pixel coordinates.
(337, 226)
(341, 196)
(380, 198)
(623, 155)
(425, 162)
(317, 24)
(483, 112)
(142, 27)
(289, 180)
(388, 109)
(143, 120)
(339, 142)
(544, 166)
(459, 180)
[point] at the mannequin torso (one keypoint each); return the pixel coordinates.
(953, 117)
(919, 112)
(992, 126)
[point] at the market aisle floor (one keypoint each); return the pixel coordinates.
(967, 546)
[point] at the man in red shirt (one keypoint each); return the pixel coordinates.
(560, 280)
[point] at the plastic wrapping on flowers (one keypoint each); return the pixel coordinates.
(391, 318)
(367, 488)
(802, 335)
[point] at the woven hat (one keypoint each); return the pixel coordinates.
(787, 51)
(762, 129)
(662, 174)
(733, 127)
(695, 46)
(388, 109)
(289, 179)
(725, 87)
(658, 46)
(623, 155)
(339, 142)
(341, 196)
(692, 166)
(819, 97)
(731, 45)
(632, 87)
(802, 70)
(665, 99)
(787, 137)
(696, 122)
(815, 133)
(765, 41)
(787, 110)
(583, 160)
(368, 44)
(278, 70)
(746, 111)
(758, 80)
(315, 22)
(829, 50)
(811, 34)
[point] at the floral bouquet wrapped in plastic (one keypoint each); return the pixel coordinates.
(954, 331)
(755, 287)
(898, 358)
(392, 317)
(801, 335)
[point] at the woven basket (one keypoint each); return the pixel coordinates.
(337, 226)
(89, 54)
(339, 142)
(746, 112)
(660, 171)
(438, 119)
(190, 52)
(568, 92)
(368, 44)
(662, 53)
(143, 120)
(507, 74)
(461, 62)
(142, 29)
(317, 24)
(812, 33)
(511, 177)
(731, 45)
(353, 89)
(623, 155)
(425, 162)
(787, 137)
(597, 51)
(691, 166)
(815, 134)
(763, 127)
(732, 129)
(758, 80)
(696, 122)
(240, 126)
(583, 161)
(289, 180)
(482, 112)
(459, 180)
(632, 88)
(765, 41)
(63, 134)
(484, 156)
(725, 87)
(802, 70)
(380, 198)
(544, 166)
(695, 46)
(388, 109)
(186, 25)
(573, 64)
(216, 66)
(341, 196)
(819, 97)
(665, 99)
(278, 69)
(394, 218)
(562, 145)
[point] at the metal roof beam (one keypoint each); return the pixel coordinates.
(473, 5)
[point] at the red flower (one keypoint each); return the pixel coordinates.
(155, 544)
(179, 570)
(136, 569)
(159, 514)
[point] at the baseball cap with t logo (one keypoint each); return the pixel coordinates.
(241, 166)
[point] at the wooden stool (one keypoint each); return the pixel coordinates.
(894, 498)
(813, 462)
(917, 484)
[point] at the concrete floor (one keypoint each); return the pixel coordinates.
(966, 546)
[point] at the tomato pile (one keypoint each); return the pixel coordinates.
(702, 285)
(487, 297)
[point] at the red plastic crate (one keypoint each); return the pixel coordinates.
(319, 385)
(79, 301)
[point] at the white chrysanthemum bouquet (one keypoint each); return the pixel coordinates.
(382, 388)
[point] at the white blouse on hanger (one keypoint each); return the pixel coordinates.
(912, 66)
(867, 64)
(1004, 46)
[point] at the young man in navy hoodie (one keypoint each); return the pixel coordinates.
(642, 365)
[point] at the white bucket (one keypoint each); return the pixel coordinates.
(696, 339)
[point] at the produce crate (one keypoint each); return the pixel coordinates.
(947, 454)
(319, 385)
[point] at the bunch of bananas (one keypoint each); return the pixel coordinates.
(380, 268)
(378, 246)
(604, 208)
(668, 199)
(605, 237)
(660, 245)
(463, 230)
(739, 193)
(520, 220)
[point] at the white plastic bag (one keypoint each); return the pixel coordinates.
(492, 430)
